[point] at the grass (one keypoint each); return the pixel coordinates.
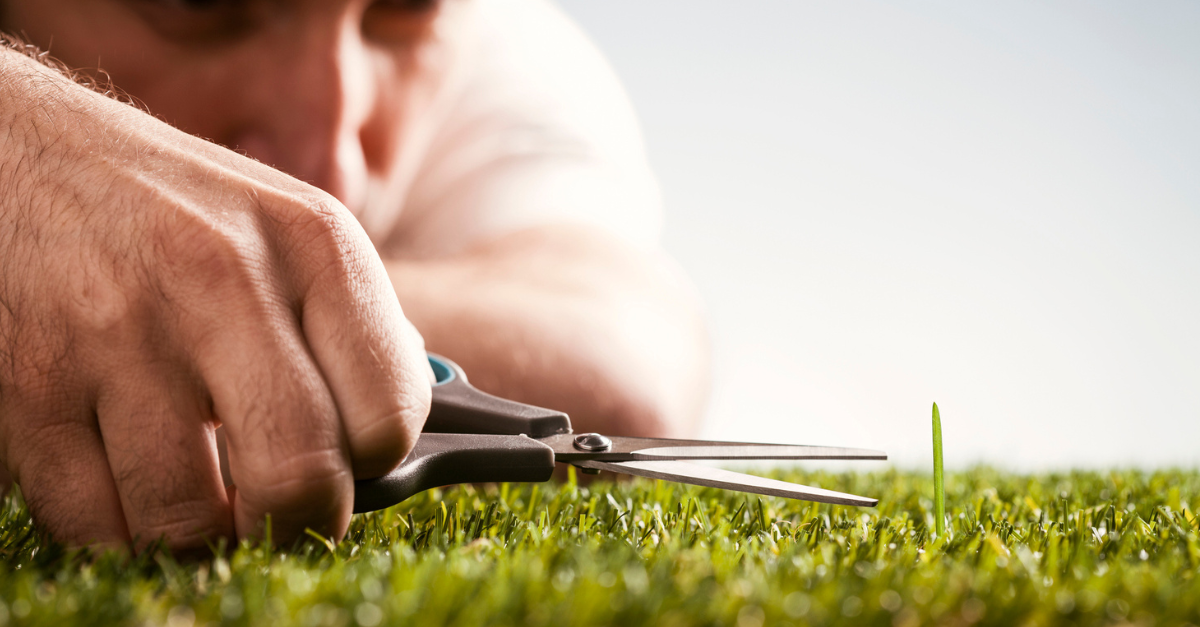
(939, 476)
(1080, 548)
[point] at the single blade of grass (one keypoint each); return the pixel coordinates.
(939, 481)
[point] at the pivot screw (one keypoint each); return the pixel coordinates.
(592, 442)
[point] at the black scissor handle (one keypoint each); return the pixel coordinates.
(441, 459)
(460, 408)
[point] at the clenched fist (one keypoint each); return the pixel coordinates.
(154, 286)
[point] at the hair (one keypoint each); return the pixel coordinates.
(19, 44)
(99, 82)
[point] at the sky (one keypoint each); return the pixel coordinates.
(990, 205)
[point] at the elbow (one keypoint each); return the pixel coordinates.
(641, 373)
(653, 417)
(659, 379)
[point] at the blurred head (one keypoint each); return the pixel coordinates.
(317, 88)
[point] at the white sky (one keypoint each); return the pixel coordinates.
(991, 205)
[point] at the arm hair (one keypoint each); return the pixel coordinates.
(100, 82)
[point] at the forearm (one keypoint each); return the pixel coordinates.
(567, 319)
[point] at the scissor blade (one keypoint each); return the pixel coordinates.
(695, 474)
(758, 451)
(653, 449)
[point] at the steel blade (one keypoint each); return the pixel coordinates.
(653, 449)
(695, 474)
(758, 451)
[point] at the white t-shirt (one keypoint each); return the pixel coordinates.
(522, 124)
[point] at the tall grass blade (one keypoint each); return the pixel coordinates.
(939, 483)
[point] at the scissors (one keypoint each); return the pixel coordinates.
(474, 437)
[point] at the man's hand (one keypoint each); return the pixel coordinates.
(154, 286)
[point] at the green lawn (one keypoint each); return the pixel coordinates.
(1081, 548)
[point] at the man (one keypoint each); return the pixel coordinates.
(472, 160)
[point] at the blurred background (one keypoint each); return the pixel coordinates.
(991, 205)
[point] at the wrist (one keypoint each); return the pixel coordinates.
(10, 65)
(33, 100)
(23, 85)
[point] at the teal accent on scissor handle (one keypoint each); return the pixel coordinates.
(442, 370)
(460, 408)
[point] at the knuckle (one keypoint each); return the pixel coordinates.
(313, 222)
(331, 242)
(99, 304)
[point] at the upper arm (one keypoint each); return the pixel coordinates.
(539, 132)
